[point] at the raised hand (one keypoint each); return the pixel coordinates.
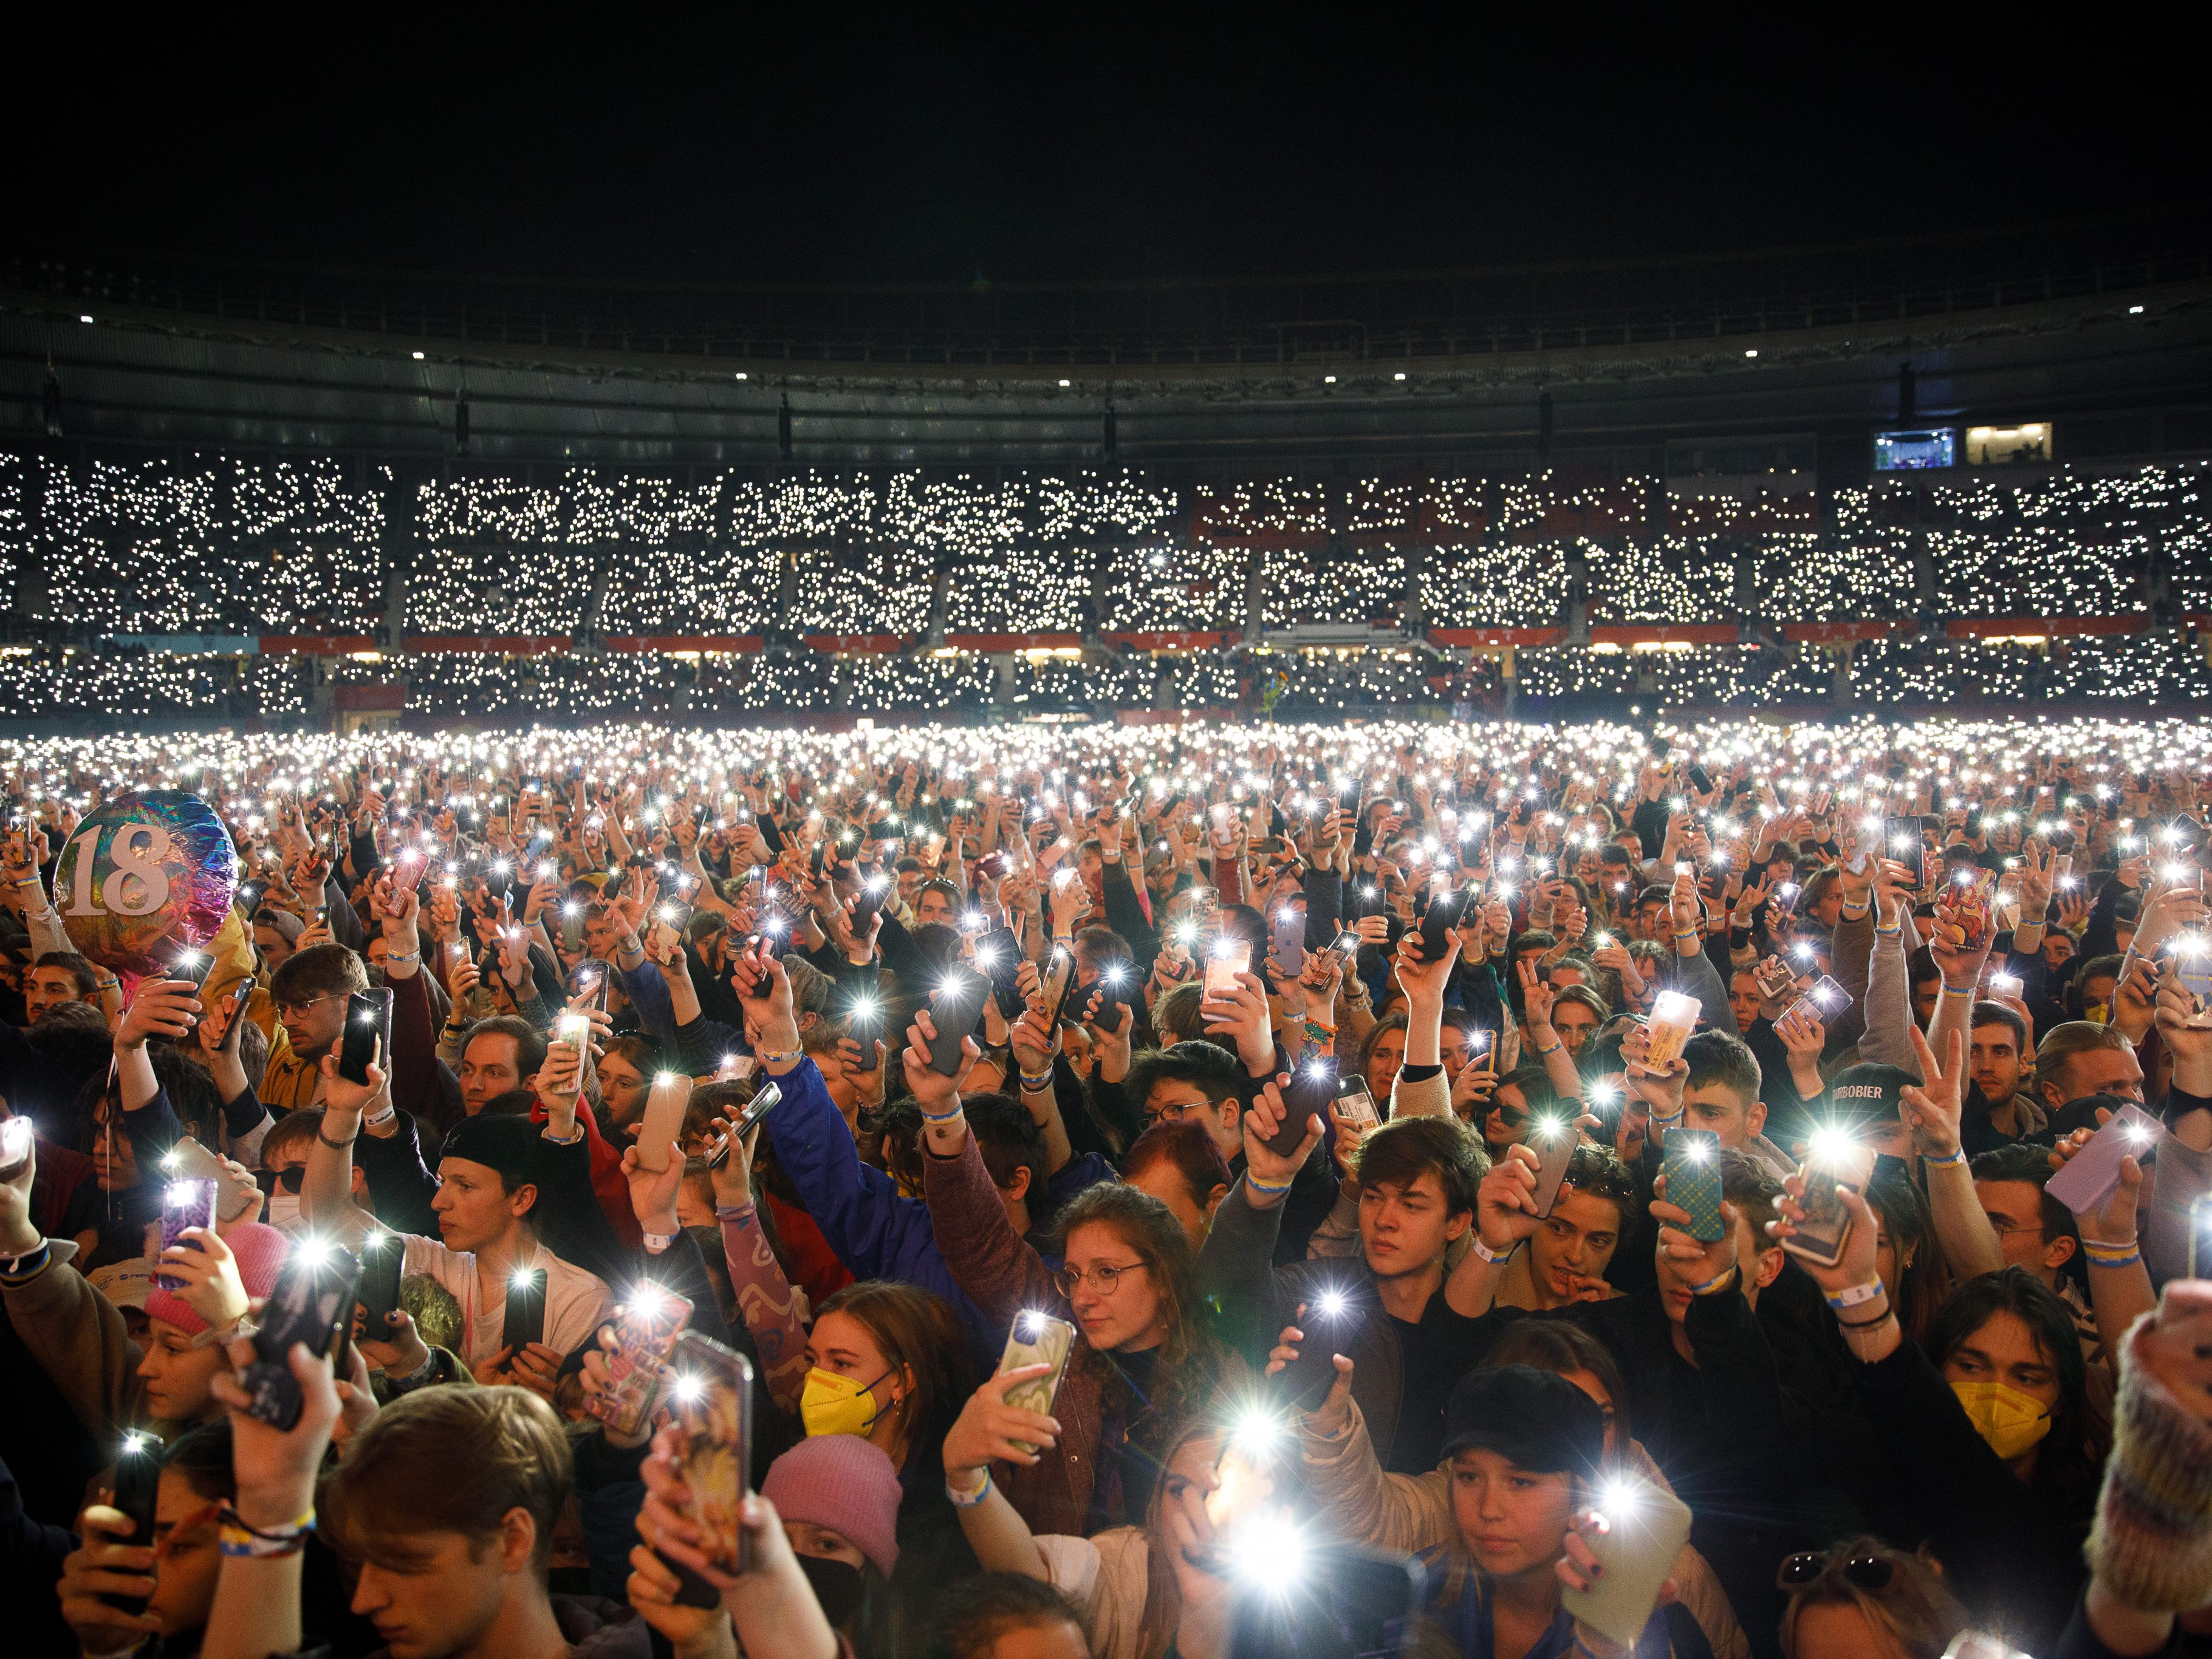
(1263, 1120)
(1931, 1110)
(989, 1431)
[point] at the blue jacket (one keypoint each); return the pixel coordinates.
(877, 1233)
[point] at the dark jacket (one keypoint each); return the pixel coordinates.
(1254, 1299)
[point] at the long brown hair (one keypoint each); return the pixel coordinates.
(919, 1334)
(1163, 1594)
(1192, 1359)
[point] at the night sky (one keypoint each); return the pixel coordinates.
(1120, 145)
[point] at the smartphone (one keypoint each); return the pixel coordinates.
(1355, 1104)
(368, 1038)
(958, 1005)
(1037, 1338)
(16, 1136)
(184, 1203)
(1115, 985)
(1442, 914)
(1227, 959)
(1646, 1527)
(602, 984)
(765, 1099)
(193, 967)
(1338, 1599)
(662, 1126)
(2011, 985)
(1901, 842)
(381, 1257)
(1057, 982)
(2200, 1238)
(525, 1319)
(646, 1328)
(669, 921)
(1824, 1001)
(1773, 977)
(1311, 1090)
(1290, 940)
(714, 1401)
(2091, 1174)
(1820, 1237)
(1552, 1139)
(187, 1160)
(314, 1291)
(138, 1493)
(864, 1025)
(1693, 1168)
(999, 954)
(993, 866)
(875, 888)
(2192, 970)
(1698, 779)
(1968, 900)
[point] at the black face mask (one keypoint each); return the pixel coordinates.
(836, 1587)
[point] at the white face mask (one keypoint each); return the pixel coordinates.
(284, 1210)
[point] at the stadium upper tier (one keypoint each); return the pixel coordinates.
(224, 551)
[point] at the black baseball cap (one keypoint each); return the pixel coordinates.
(2081, 1113)
(1869, 1091)
(1539, 1419)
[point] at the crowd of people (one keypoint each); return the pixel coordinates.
(2163, 669)
(213, 546)
(1492, 1190)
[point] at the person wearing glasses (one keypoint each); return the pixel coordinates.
(309, 995)
(1143, 1362)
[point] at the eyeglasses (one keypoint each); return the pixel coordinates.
(1869, 1572)
(286, 1006)
(1104, 1279)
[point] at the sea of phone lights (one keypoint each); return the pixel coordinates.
(213, 546)
(2004, 767)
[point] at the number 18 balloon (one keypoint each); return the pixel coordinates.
(143, 876)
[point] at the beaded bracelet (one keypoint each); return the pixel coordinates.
(235, 1538)
(1858, 1293)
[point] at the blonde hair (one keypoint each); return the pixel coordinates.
(1915, 1609)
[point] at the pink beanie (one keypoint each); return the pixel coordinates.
(260, 1250)
(844, 1483)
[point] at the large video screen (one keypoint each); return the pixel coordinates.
(1912, 452)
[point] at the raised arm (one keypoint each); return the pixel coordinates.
(1886, 1013)
(767, 1301)
(1969, 1244)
